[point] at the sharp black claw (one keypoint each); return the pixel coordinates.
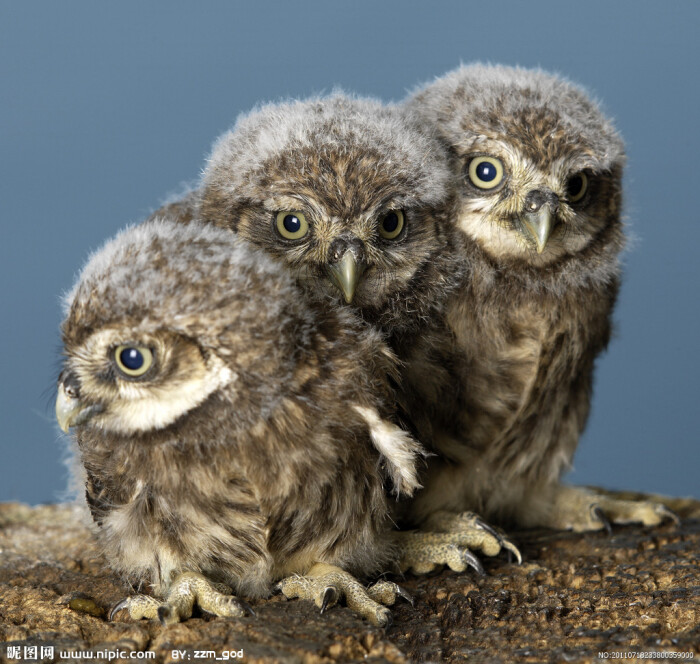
(473, 562)
(329, 595)
(389, 620)
(118, 607)
(502, 540)
(598, 513)
(246, 607)
(163, 614)
(402, 593)
(490, 530)
(513, 551)
(665, 511)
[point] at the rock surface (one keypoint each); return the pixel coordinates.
(573, 597)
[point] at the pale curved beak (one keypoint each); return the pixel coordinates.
(539, 226)
(71, 411)
(346, 274)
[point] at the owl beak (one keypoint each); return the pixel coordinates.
(70, 410)
(539, 219)
(346, 274)
(539, 226)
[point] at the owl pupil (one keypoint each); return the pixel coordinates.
(291, 223)
(575, 185)
(486, 171)
(390, 222)
(131, 358)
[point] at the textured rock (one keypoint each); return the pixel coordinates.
(574, 596)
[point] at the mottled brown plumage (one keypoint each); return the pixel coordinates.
(505, 377)
(255, 446)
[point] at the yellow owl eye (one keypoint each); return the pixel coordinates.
(576, 187)
(133, 361)
(391, 224)
(485, 172)
(291, 225)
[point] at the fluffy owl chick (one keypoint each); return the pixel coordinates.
(539, 170)
(351, 194)
(230, 431)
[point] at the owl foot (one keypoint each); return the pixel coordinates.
(187, 589)
(579, 509)
(326, 584)
(449, 538)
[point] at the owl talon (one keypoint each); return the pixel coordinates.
(502, 540)
(472, 531)
(329, 597)
(246, 607)
(581, 509)
(165, 615)
(187, 589)
(513, 551)
(117, 608)
(597, 513)
(669, 513)
(386, 592)
(138, 606)
(326, 584)
(404, 595)
(473, 562)
(388, 620)
(479, 522)
(449, 539)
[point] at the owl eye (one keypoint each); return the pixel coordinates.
(576, 187)
(391, 224)
(133, 361)
(291, 225)
(485, 172)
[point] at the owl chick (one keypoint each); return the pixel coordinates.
(539, 170)
(349, 193)
(231, 431)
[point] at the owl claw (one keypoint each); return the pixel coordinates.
(164, 615)
(600, 516)
(582, 509)
(246, 607)
(473, 562)
(117, 608)
(503, 541)
(665, 511)
(386, 592)
(449, 539)
(186, 590)
(489, 529)
(326, 584)
(513, 551)
(388, 620)
(329, 597)
(403, 594)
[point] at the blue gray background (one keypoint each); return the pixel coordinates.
(105, 109)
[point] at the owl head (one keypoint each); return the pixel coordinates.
(166, 317)
(539, 166)
(349, 193)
